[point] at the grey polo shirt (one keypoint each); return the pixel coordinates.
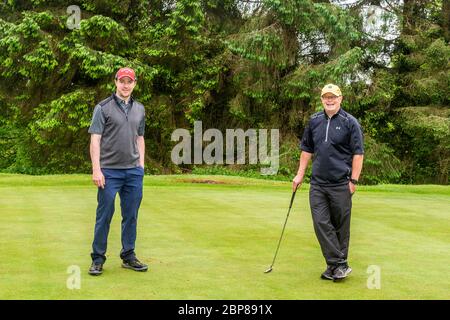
(119, 124)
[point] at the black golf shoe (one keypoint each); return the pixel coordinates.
(135, 265)
(341, 272)
(328, 274)
(96, 269)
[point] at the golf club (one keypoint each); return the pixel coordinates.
(282, 232)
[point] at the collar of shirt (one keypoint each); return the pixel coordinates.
(125, 106)
(334, 115)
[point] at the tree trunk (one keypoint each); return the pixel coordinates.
(446, 19)
(408, 17)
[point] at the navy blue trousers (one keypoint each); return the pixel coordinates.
(128, 183)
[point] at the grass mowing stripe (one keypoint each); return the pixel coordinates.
(213, 241)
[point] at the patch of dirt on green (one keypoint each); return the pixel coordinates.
(205, 181)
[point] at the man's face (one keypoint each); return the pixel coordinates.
(125, 87)
(331, 102)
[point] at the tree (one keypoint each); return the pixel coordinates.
(231, 64)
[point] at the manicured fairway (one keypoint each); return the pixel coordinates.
(214, 241)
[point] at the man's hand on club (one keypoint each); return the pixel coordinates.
(296, 182)
(98, 178)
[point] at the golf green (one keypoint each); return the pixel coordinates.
(212, 237)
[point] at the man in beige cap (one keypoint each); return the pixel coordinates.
(334, 138)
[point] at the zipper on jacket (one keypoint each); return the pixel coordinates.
(328, 126)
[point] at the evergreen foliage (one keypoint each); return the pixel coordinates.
(231, 64)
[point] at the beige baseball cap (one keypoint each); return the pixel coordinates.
(331, 88)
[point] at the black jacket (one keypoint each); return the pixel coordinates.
(333, 141)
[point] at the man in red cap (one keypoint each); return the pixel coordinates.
(117, 154)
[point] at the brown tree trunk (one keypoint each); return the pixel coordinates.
(446, 19)
(408, 17)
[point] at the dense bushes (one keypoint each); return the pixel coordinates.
(231, 64)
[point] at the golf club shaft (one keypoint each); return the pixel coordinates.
(284, 227)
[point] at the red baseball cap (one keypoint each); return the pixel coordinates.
(126, 72)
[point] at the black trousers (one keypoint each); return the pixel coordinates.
(331, 210)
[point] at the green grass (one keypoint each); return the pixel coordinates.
(213, 241)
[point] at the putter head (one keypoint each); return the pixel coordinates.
(268, 270)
